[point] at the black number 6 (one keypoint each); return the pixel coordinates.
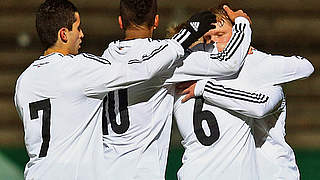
(198, 117)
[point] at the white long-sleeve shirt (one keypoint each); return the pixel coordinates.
(137, 121)
(261, 71)
(59, 99)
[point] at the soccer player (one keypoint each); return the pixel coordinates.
(137, 121)
(59, 96)
(275, 158)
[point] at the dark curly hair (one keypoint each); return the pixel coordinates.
(138, 12)
(51, 16)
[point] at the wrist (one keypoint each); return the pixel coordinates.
(199, 89)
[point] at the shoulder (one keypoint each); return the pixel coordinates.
(88, 58)
(148, 48)
(155, 44)
(253, 52)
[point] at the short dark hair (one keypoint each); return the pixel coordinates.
(138, 12)
(51, 16)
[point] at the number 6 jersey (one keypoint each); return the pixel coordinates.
(217, 133)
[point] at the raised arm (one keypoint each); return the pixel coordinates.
(216, 65)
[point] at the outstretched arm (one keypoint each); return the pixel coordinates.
(255, 103)
(274, 70)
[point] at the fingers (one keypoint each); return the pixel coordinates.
(186, 91)
(227, 9)
(186, 98)
(248, 18)
(182, 91)
(233, 15)
(188, 95)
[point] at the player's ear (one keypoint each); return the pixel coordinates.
(120, 22)
(156, 21)
(62, 35)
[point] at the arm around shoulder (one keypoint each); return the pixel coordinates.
(256, 103)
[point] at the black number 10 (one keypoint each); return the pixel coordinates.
(35, 107)
(109, 104)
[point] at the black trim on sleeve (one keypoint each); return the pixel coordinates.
(147, 57)
(96, 58)
(233, 44)
(235, 94)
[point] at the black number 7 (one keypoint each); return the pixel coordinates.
(46, 107)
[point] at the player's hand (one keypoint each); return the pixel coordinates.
(233, 15)
(195, 28)
(200, 23)
(187, 89)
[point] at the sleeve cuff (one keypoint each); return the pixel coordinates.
(241, 20)
(199, 89)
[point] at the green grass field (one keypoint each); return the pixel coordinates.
(12, 162)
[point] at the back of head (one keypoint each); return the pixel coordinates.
(51, 16)
(138, 12)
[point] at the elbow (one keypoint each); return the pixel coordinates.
(305, 68)
(259, 113)
(309, 69)
(233, 69)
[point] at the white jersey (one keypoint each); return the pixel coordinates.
(218, 142)
(275, 158)
(137, 121)
(59, 98)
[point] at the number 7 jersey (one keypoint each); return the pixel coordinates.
(59, 99)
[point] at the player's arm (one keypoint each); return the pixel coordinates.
(281, 69)
(215, 65)
(196, 27)
(101, 75)
(255, 103)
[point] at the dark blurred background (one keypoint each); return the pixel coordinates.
(287, 27)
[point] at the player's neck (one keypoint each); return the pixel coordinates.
(55, 49)
(138, 33)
